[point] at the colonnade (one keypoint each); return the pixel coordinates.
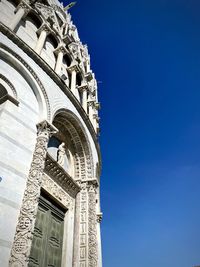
(81, 92)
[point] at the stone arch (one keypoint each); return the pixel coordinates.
(31, 77)
(8, 85)
(68, 123)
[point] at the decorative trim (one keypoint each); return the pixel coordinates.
(10, 85)
(58, 174)
(57, 192)
(23, 236)
(83, 238)
(33, 74)
(92, 227)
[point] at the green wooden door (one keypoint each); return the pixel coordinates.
(46, 250)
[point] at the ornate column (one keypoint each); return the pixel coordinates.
(84, 88)
(73, 69)
(23, 236)
(21, 11)
(92, 226)
(99, 219)
(42, 32)
(60, 51)
(91, 111)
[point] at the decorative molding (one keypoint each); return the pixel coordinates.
(23, 236)
(33, 74)
(92, 227)
(44, 27)
(25, 6)
(57, 192)
(61, 48)
(83, 217)
(74, 67)
(2, 77)
(59, 175)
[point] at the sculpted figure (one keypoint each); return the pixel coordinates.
(61, 154)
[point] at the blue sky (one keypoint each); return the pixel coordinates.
(146, 56)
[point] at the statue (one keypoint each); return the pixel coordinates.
(61, 154)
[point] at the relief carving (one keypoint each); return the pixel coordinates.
(23, 236)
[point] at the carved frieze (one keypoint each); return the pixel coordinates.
(58, 174)
(57, 191)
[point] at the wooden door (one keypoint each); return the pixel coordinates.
(46, 250)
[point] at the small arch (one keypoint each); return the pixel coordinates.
(71, 129)
(78, 79)
(34, 18)
(53, 40)
(67, 60)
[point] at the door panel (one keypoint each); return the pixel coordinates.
(46, 250)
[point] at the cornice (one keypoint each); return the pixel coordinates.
(56, 78)
(58, 174)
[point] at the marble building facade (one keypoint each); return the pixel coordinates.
(50, 159)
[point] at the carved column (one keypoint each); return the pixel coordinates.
(74, 69)
(92, 227)
(23, 236)
(83, 88)
(22, 10)
(60, 51)
(43, 32)
(99, 218)
(91, 111)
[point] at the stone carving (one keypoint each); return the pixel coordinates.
(57, 192)
(83, 224)
(61, 154)
(92, 227)
(2, 77)
(25, 5)
(23, 236)
(59, 175)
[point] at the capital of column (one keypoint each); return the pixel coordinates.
(24, 4)
(60, 48)
(45, 129)
(74, 67)
(99, 217)
(44, 27)
(89, 76)
(83, 87)
(91, 103)
(67, 39)
(97, 105)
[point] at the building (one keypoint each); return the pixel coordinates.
(49, 154)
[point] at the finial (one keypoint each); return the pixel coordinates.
(69, 6)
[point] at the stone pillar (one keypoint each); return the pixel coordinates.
(84, 99)
(95, 118)
(23, 236)
(74, 69)
(43, 32)
(22, 10)
(99, 218)
(60, 51)
(91, 111)
(84, 88)
(92, 227)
